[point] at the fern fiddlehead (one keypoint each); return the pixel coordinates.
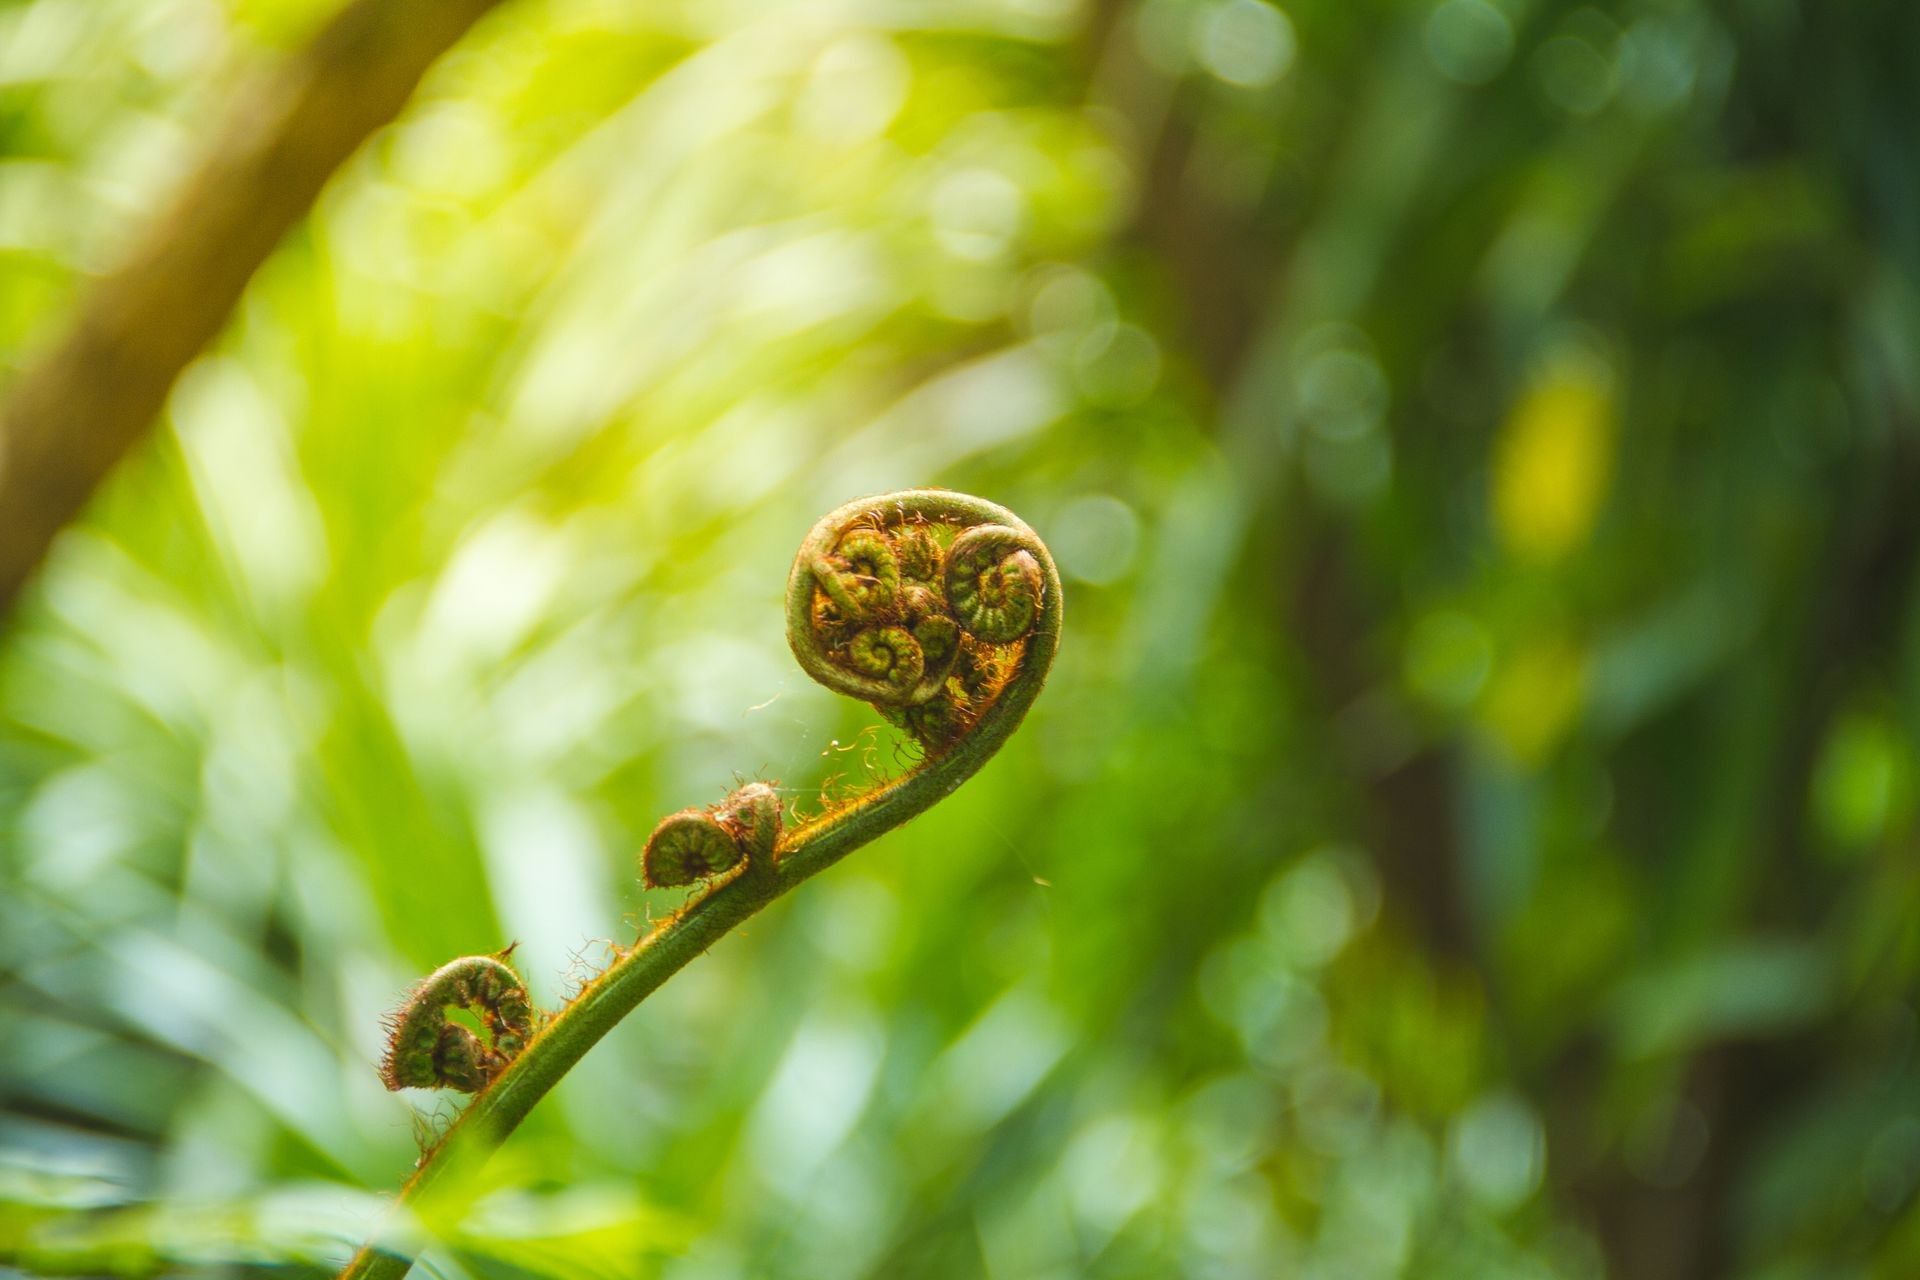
(941, 610)
(915, 608)
(695, 844)
(427, 1051)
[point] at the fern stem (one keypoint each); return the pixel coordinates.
(801, 854)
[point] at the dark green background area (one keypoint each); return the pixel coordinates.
(1471, 830)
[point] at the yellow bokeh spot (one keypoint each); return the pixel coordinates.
(1535, 698)
(1554, 461)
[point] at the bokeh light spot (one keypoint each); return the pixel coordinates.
(1117, 368)
(1554, 460)
(1574, 74)
(1245, 43)
(1498, 1149)
(977, 213)
(1536, 697)
(854, 89)
(1470, 41)
(1095, 538)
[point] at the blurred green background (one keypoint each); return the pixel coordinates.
(1471, 830)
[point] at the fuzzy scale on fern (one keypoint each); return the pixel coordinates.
(943, 612)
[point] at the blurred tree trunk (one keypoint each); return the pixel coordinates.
(79, 406)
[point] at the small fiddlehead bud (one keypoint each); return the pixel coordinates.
(694, 844)
(993, 583)
(890, 655)
(920, 603)
(426, 1050)
(862, 576)
(754, 816)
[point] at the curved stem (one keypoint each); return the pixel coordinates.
(802, 853)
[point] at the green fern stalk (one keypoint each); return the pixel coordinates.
(940, 609)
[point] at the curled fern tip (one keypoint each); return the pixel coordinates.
(922, 604)
(427, 1050)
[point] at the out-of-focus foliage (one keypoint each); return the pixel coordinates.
(1471, 831)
